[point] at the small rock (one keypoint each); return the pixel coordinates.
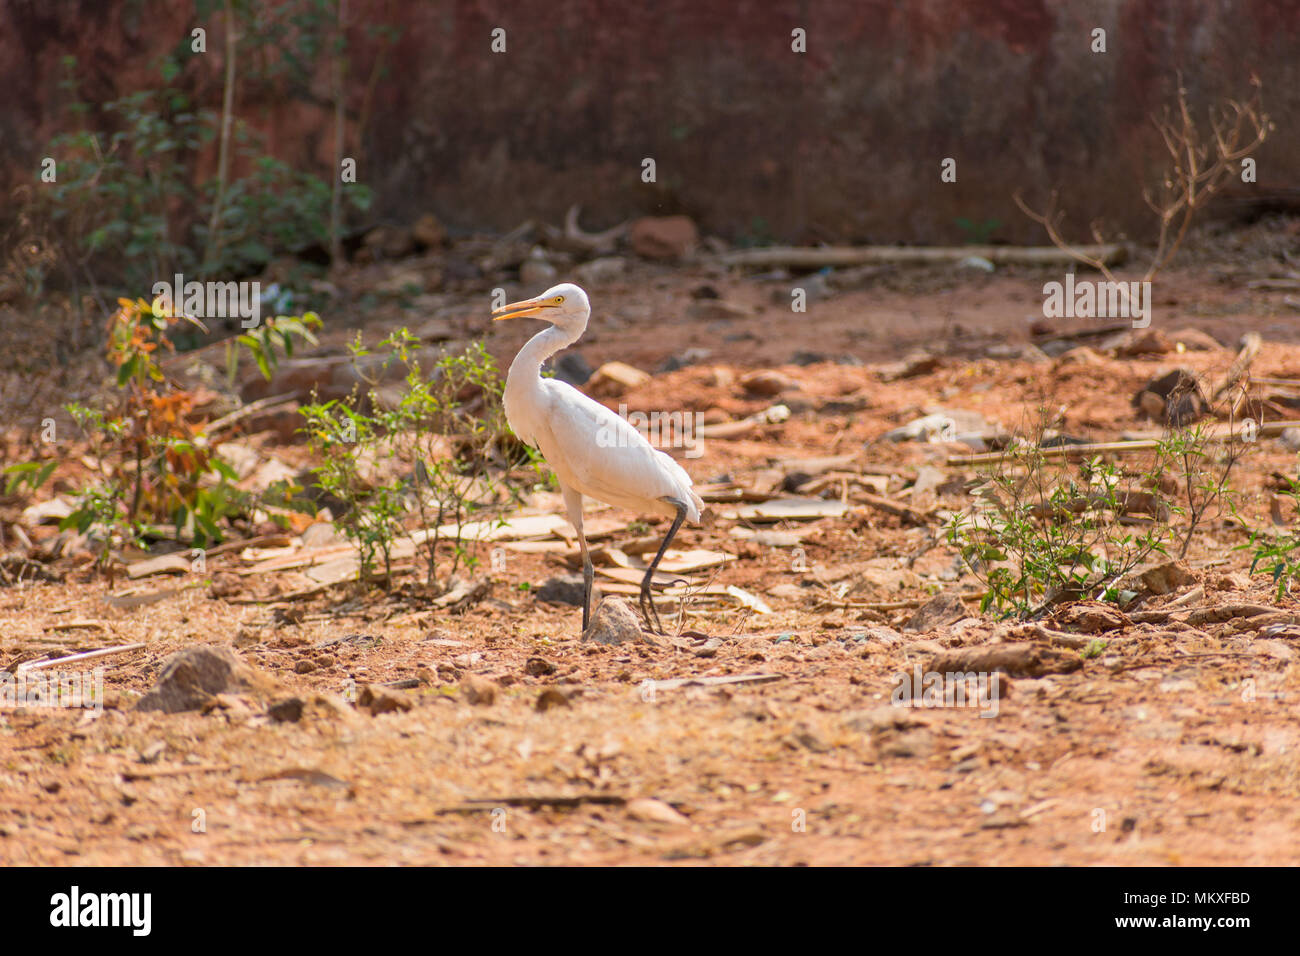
(1194, 340)
(551, 698)
(537, 272)
(709, 648)
(286, 711)
(1167, 577)
(571, 367)
(1290, 438)
(941, 609)
(562, 589)
(428, 232)
(1180, 399)
(320, 534)
(304, 667)
(538, 667)
(767, 383)
(602, 270)
(693, 356)
(1081, 355)
(46, 512)
(1144, 342)
(1092, 617)
(478, 692)
(193, 676)
(381, 700)
(915, 363)
(663, 237)
(883, 635)
(654, 811)
(614, 378)
(614, 623)
(977, 263)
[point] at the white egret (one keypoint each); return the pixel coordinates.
(591, 450)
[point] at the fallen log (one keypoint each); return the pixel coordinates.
(1138, 441)
(840, 256)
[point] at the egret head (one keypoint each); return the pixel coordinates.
(564, 306)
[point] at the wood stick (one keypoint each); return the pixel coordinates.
(820, 257)
(252, 408)
(88, 655)
(1249, 349)
(1140, 442)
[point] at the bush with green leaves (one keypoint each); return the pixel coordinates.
(155, 474)
(1278, 554)
(127, 209)
(442, 435)
(1046, 529)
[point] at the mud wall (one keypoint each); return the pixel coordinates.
(843, 142)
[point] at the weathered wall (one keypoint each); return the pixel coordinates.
(843, 142)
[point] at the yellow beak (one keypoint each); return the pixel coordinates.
(517, 310)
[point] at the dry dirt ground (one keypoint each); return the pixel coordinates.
(511, 741)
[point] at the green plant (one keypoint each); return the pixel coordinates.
(152, 466)
(1202, 471)
(1045, 529)
(977, 233)
(446, 435)
(1279, 554)
(273, 336)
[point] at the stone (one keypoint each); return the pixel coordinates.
(654, 811)
(767, 383)
(1144, 342)
(571, 367)
(915, 363)
(613, 623)
(562, 589)
(537, 272)
(1181, 400)
(428, 232)
(381, 700)
(663, 237)
(478, 692)
(551, 698)
(692, 356)
(1092, 617)
(941, 609)
(614, 378)
(193, 676)
(600, 271)
(288, 710)
(1194, 340)
(1167, 577)
(538, 667)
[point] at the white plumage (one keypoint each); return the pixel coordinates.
(592, 451)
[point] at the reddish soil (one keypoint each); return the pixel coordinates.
(1178, 744)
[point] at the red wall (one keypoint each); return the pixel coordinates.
(844, 142)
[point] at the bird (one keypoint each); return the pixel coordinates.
(593, 451)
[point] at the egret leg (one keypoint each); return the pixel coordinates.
(647, 602)
(573, 505)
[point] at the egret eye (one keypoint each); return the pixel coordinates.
(559, 299)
